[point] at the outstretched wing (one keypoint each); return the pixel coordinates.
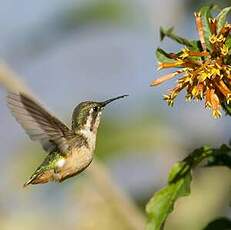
(39, 124)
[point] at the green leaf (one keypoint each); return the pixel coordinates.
(221, 223)
(205, 16)
(220, 157)
(228, 42)
(227, 108)
(179, 170)
(169, 33)
(196, 46)
(227, 59)
(162, 203)
(222, 17)
(165, 32)
(162, 56)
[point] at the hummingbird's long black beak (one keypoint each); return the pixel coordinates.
(112, 99)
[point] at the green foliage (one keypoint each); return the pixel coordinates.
(162, 203)
(196, 4)
(162, 56)
(195, 45)
(220, 157)
(169, 33)
(228, 42)
(227, 108)
(222, 17)
(221, 223)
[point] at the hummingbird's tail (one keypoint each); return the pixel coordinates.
(28, 182)
(39, 178)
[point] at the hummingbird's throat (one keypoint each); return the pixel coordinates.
(89, 130)
(93, 120)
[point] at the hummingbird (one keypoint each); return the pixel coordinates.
(70, 150)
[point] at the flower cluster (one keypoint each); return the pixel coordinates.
(204, 66)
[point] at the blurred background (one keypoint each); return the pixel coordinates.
(67, 51)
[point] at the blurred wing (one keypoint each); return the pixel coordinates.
(39, 124)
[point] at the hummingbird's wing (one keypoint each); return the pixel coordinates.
(39, 124)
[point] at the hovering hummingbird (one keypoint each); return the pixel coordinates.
(70, 150)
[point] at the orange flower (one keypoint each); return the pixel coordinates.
(205, 69)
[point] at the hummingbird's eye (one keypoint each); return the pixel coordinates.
(95, 109)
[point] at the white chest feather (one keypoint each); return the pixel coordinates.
(90, 136)
(89, 133)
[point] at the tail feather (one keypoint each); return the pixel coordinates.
(28, 182)
(39, 178)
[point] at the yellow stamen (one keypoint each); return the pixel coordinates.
(224, 50)
(185, 53)
(213, 38)
(220, 38)
(228, 98)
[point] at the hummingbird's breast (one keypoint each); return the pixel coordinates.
(77, 160)
(82, 157)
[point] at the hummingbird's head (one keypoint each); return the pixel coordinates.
(86, 115)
